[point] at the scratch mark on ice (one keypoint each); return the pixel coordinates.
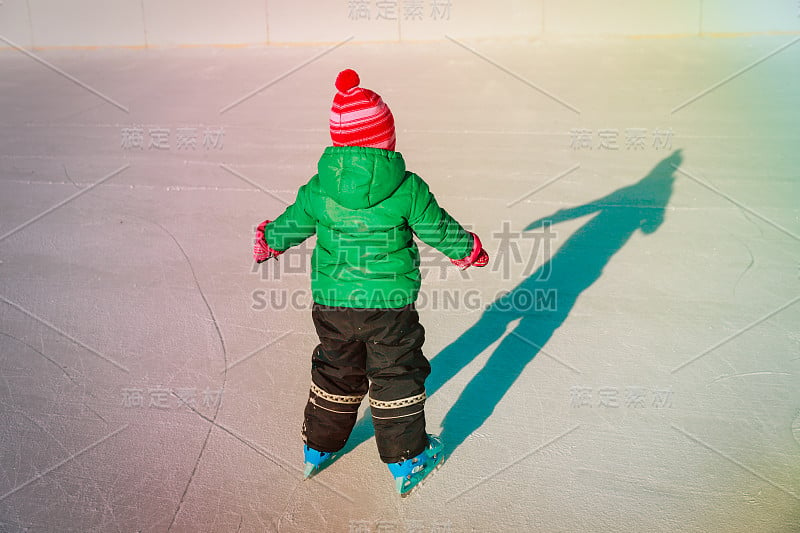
(747, 268)
(289, 501)
(734, 461)
(61, 463)
(60, 367)
(69, 177)
(224, 374)
(746, 374)
(277, 461)
(55, 363)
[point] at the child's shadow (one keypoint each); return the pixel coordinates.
(555, 286)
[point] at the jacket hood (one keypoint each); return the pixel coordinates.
(357, 177)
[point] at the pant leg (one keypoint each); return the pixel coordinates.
(338, 381)
(397, 370)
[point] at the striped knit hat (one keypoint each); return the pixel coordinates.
(359, 117)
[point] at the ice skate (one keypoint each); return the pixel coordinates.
(315, 461)
(411, 472)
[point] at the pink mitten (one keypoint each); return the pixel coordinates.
(261, 250)
(478, 257)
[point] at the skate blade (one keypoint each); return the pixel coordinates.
(424, 480)
(310, 470)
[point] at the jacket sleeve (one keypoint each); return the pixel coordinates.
(433, 225)
(294, 225)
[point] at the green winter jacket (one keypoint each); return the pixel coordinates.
(365, 209)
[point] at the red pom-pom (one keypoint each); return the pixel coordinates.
(346, 80)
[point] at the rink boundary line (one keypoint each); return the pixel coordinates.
(282, 132)
(211, 188)
(555, 38)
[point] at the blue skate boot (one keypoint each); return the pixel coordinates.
(315, 461)
(411, 472)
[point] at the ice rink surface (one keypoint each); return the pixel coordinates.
(643, 194)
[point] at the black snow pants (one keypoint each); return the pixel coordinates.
(375, 351)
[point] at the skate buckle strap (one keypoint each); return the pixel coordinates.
(336, 398)
(411, 473)
(395, 404)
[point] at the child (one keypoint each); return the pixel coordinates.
(365, 209)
